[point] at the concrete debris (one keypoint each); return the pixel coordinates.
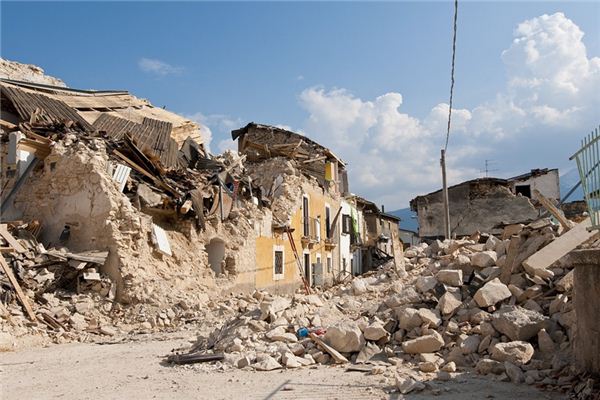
(491, 293)
(498, 302)
(345, 337)
(518, 323)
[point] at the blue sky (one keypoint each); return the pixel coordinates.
(320, 68)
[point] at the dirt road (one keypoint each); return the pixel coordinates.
(134, 370)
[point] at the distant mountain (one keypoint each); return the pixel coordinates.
(567, 181)
(408, 219)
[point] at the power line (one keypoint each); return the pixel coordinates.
(452, 74)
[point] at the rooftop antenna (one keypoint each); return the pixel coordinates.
(487, 169)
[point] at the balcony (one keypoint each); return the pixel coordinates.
(311, 232)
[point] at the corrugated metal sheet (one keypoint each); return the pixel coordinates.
(151, 136)
(26, 103)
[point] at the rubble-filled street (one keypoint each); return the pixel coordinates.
(267, 213)
(133, 370)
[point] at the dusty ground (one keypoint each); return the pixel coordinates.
(134, 370)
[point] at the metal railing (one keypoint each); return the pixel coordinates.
(588, 164)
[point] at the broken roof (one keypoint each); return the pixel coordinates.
(532, 173)
(236, 133)
(91, 104)
(496, 181)
(113, 112)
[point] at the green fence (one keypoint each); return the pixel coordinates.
(588, 164)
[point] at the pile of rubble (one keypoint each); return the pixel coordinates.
(454, 311)
(67, 288)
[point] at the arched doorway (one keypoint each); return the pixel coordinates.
(216, 253)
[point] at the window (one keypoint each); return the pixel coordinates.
(329, 264)
(305, 219)
(328, 222)
(524, 190)
(278, 262)
(346, 224)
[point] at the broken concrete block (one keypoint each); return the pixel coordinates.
(512, 229)
(517, 352)
(268, 363)
(408, 296)
(514, 373)
(274, 305)
(484, 259)
(428, 366)
(492, 242)
(486, 366)
(470, 345)
(518, 323)
(565, 284)
(558, 304)
(279, 334)
(545, 342)
(424, 344)
(408, 318)
(290, 360)
(375, 331)
(431, 317)
(449, 367)
(449, 302)
(426, 284)
(367, 353)
(559, 247)
(491, 293)
(407, 384)
(359, 286)
(148, 196)
(345, 337)
(450, 277)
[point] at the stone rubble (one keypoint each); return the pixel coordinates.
(519, 332)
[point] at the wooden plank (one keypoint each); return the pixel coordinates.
(556, 213)
(14, 243)
(13, 280)
(339, 359)
(7, 125)
(191, 358)
(560, 246)
(512, 252)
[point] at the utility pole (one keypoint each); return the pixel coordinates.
(443, 158)
(445, 196)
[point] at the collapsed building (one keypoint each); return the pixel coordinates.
(110, 196)
(487, 204)
(319, 227)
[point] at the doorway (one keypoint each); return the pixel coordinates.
(216, 254)
(307, 269)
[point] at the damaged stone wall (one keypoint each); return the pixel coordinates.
(474, 206)
(73, 188)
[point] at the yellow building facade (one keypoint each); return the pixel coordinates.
(276, 267)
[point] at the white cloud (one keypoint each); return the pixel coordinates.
(217, 127)
(158, 67)
(551, 84)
